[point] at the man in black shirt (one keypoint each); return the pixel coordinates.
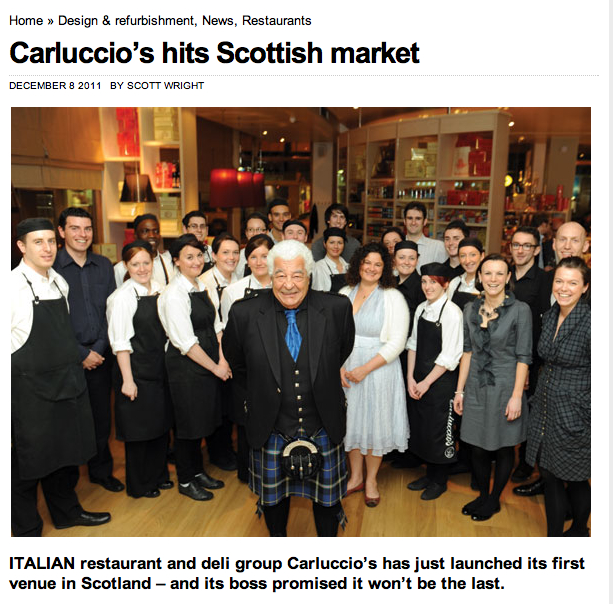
(530, 285)
(91, 281)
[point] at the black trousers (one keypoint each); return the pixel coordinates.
(59, 491)
(219, 444)
(437, 472)
(99, 387)
(146, 465)
(188, 459)
(326, 518)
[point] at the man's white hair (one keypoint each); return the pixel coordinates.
(290, 249)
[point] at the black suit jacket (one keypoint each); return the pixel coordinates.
(251, 347)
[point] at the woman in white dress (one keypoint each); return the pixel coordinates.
(372, 377)
(329, 273)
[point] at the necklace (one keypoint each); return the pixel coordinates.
(487, 313)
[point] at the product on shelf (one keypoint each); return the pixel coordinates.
(166, 124)
(128, 141)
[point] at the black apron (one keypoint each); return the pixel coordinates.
(431, 417)
(462, 298)
(195, 390)
(337, 281)
(52, 425)
(149, 415)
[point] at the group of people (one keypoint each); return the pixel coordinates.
(428, 351)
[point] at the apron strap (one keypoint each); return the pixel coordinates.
(164, 268)
(36, 298)
(438, 321)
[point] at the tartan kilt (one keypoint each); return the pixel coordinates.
(267, 480)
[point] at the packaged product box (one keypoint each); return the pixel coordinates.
(414, 169)
(460, 161)
(431, 171)
(432, 147)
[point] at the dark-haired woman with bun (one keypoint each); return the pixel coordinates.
(256, 253)
(195, 364)
(143, 413)
(329, 273)
(463, 289)
(490, 390)
(559, 435)
(435, 349)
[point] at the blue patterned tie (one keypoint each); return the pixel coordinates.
(293, 339)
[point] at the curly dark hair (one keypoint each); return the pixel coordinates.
(387, 280)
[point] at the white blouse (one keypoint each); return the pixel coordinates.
(120, 309)
(175, 307)
(460, 284)
(22, 313)
(322, 271)
(236, 291)
(213, 278)
(451, 326)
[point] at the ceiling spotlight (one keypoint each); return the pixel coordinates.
(521, 138)
(292, 119)
(282, 139)
(265, 132)
(355, 107)
(511, 124)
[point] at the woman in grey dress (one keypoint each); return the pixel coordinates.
(490, 391)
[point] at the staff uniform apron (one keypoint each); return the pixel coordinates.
(195, 390)
(462, 298)
(52, 425)
(431, 417)
(149, 415)
(337, 281)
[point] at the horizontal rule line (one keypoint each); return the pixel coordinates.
(308, 75)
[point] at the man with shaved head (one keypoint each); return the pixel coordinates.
(570, 240)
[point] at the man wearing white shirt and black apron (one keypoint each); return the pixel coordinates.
(51, 424)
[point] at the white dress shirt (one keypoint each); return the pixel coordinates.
(430, 250)
(451, 326)
(460, 284)
(236, 291)
(322, 271)
(158, 269)
(22, 313)
(242, 263)
(120, 309)
(213, 278)
(175, 308)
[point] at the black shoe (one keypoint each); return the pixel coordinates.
(208, 482)
(433, 491)
(195, 491)
(86, 519)
(482, 515)
(531, 489)
(226, 463)
(472, 506)
(164, 486)
(522, 473)
(419, 485)
(149, 494)
(110, 483)
(486, 511)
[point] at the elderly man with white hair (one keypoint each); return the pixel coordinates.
(286, 346)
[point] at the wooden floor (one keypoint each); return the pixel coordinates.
(231, 513)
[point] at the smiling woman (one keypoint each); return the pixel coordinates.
(490, 389)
